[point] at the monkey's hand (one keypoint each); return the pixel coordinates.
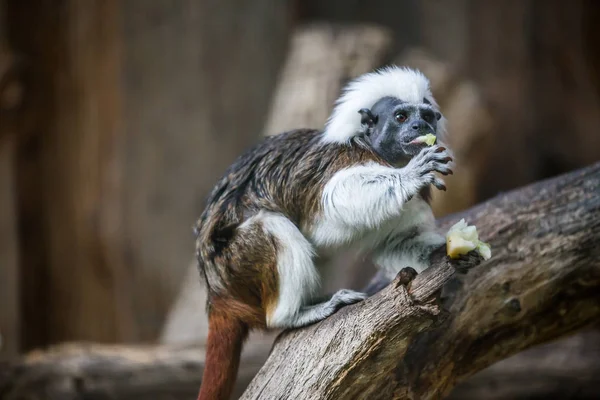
(419, 172)
(465, 262)
(462, 263)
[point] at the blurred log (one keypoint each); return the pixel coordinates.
(545, 268)
(399, 17)
(104, 372)
(198, 80)
(567, 369)
(320, 59)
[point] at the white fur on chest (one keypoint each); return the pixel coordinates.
(329, 236)
(364, 204)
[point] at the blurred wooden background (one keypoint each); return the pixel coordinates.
(116, 117)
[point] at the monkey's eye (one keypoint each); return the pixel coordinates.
(401, 117)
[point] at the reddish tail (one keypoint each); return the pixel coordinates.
(225, 338)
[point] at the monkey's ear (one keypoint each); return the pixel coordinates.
(367, 118)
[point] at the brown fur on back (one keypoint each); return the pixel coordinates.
(283, 174)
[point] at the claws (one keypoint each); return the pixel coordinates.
(406, 275)
(465, 262)
(429, 160)
(439, 184)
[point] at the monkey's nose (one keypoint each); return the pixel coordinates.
(419, 125)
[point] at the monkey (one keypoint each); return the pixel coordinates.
(364, 181)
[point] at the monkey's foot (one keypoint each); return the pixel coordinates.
(346, 297)
(406, 275)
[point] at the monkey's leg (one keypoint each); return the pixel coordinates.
(297, 276)
(307, 315)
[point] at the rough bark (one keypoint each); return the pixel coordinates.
(543, 282)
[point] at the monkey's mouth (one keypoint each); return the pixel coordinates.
(414, 142)
(428, 139)
(414, 145)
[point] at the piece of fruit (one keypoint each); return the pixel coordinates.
(428, 139)
(462, 238)
(456, 246)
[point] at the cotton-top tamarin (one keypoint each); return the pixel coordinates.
(362, 182)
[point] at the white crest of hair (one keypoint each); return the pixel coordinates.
(406, 84)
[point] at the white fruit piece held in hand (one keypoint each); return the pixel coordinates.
(462, 238)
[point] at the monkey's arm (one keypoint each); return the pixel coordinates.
(365, 196)
(409, 249)
(419, 251)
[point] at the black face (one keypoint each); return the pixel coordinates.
(391, 125)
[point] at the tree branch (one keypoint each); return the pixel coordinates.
(542, 282)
